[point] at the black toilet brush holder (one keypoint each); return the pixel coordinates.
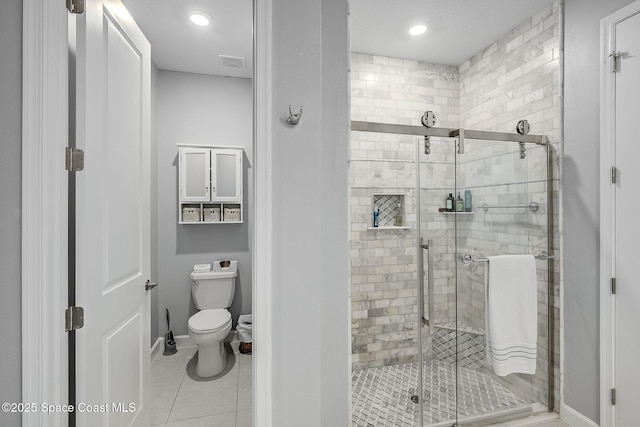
(169, 342)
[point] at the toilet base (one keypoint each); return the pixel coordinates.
(211, 359)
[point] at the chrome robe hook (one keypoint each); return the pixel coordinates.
(294, 119)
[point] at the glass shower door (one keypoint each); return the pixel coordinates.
(436, 181)
(504, 187)
(385, 326)
(418, 276)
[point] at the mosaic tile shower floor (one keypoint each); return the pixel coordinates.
(382, 396)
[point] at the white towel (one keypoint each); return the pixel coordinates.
(512, 320)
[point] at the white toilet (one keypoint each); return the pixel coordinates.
(212, 291)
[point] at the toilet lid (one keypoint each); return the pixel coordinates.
(209, 320)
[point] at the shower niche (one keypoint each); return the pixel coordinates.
(210, 184)
(391, 212)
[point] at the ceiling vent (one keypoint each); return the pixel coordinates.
(231, 61)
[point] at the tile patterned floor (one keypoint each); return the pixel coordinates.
(382, 396)
(179, 400)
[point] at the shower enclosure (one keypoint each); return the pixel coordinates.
(418, 274)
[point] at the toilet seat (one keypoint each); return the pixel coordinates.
(209, 321)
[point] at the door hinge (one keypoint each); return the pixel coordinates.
(73, 318)
(614, 174)
(74, 159)
(614, 58)
(613, 285)
(613, 396)
(75, 6)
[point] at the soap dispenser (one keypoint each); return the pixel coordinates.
(450, 203)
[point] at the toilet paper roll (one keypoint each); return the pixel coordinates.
(202, 268)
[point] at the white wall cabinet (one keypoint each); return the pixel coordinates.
(210, 185)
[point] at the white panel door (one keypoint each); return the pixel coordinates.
(113, 241)
(627, 220)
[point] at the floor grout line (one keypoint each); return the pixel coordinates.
(183, 380)
(184, 376)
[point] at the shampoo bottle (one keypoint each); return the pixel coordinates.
(467, 201)
(399, 215)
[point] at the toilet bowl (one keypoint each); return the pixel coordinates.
(212, 293)
(208, 329)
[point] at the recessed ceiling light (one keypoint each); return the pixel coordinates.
(201, 19)
(416, 30)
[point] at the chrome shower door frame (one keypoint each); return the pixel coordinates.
(461, 135)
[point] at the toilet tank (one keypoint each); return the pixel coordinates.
(214, 288)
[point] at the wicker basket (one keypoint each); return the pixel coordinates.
(191, 214)
(211, 214)
(231, 214)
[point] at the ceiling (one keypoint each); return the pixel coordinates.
(456, 30)
(179, 45)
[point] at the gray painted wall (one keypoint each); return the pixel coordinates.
(199, 109)
(309, 169)
(581, 202)
(10, 204)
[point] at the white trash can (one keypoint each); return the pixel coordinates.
(245, 329)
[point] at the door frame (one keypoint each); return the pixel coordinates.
(44, 190)
(607, 210)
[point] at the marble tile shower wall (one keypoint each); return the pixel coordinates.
(384, 262)
(517, 77)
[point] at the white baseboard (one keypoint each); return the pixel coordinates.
(184, 341)
(575, 418)
(156, 349)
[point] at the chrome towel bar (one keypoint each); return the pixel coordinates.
(468, 259)
(533, 207)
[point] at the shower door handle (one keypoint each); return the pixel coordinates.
(427, 321)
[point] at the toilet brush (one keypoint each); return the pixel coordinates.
(169, 341)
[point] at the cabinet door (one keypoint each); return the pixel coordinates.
(195, 175)
(227, 175)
